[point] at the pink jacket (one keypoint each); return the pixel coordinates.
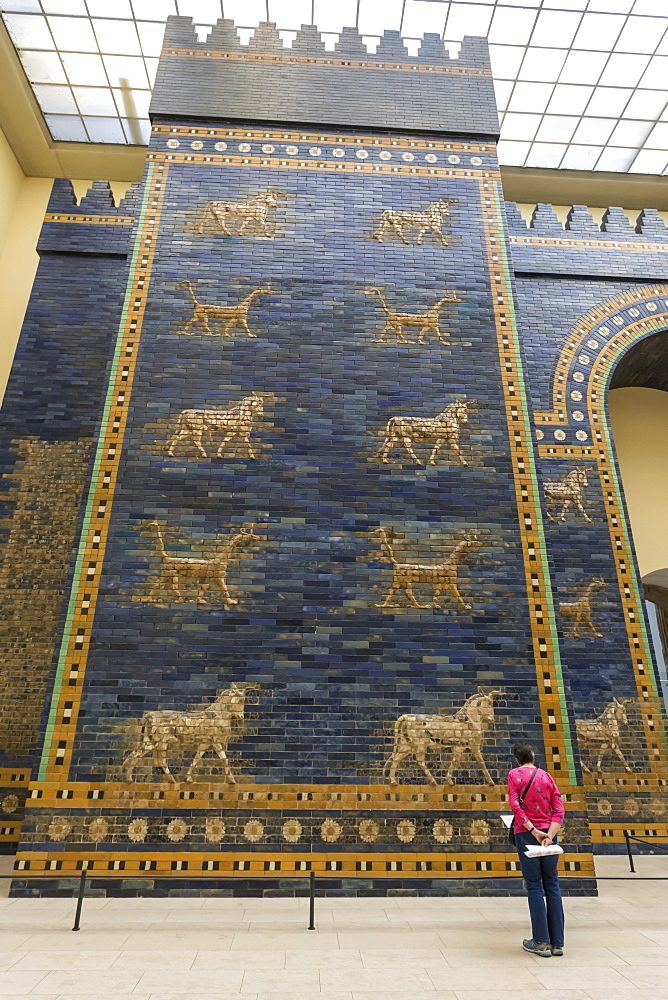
(542, 803)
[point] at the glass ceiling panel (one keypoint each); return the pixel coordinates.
(66, 7)
(557, 128)
(156, 10)
(658, 137)
(520, 126)
(572, 74)
(502, 90)
(420, 17)
(101, 8)
(656, 74)
(30, 31)
(646, 104)
(329, 16)
(542, 65)
(569, 99)
(530, 97)
(580, 157)
(512, 25)
(545, 154)
(623, 70)
(44, 67)
(598, 31)
(464, 18)
(288, 13)
(634, 37)
(615, 158)
(649, 161)
(84, 69)
(609, 102)
(583, 67)
(117, 37)
(506, 61)
(594, 130)
(555, 28)
(73, 34)
(376, 16)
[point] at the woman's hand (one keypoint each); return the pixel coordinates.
(547, 840)
(541, 836)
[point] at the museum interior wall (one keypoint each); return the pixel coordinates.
(312, 504)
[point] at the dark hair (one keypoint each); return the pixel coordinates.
(523, 753)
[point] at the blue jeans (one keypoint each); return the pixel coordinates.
(540, 876)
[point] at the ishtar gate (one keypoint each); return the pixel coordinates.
(311, 508)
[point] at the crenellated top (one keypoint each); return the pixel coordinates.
(268, 80)
(649, 225)
(95, 225)
(98, 200)
(615, 249)
(266, 39)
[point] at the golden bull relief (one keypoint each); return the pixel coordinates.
(579, 612)
(442, 429)
(427, 323)
(200, 573)
(193, 733)
(567, 491)
(430, 219)
(438, 576)
(235, 315)
(233, 422)
(602, 735)
(464, 732)
(247, 217)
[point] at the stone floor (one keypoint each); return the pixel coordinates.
(369, 949)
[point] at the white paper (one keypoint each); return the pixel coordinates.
(540, 852)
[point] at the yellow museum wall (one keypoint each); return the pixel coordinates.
(639, 416)
(23, 202)
(639, 420)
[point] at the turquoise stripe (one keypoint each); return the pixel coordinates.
(524, 412)
(90, 499)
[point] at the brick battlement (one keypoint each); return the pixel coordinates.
(95, 225)
(623, 250)
(266, 39)
(267, 81)
(98, 200)
(615, 224)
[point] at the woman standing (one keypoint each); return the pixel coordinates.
(539, 813)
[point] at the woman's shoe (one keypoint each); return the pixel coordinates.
(539, 948)
(557, 951)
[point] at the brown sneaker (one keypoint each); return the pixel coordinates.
(556, 951)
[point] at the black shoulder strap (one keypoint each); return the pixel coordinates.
(520, 798)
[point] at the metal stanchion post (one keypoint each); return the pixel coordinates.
(82, 888)
(311, 901)
(627, 838)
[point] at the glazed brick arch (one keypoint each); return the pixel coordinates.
(342, 542)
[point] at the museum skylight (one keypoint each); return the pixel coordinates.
(581, 84)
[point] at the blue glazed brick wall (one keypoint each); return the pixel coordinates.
(558, 314)
(334, 656)
(244, 687)
(51, 409)
(306, 626)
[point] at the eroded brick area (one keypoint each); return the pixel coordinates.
(49, 479)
